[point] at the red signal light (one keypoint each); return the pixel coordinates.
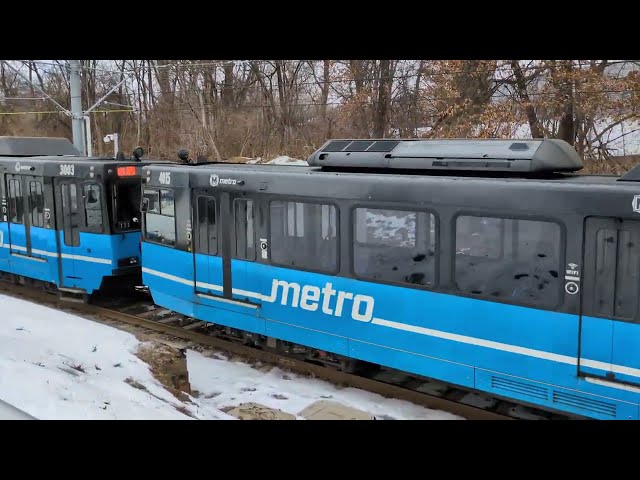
(126, 171)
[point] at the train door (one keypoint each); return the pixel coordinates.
(224, 230)
(609, 330)
(28, 238)
(245, 273)
(4, 228)
(68, 196)
(17, 231)
(212, 270)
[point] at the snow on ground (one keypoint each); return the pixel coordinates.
(285, 160)
(54, 365)
(39, 348)
(230, 383)
(281, 160)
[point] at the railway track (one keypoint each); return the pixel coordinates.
(142, 313)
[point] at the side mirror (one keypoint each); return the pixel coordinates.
(145, 204)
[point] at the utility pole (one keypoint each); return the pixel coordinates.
(77, 120)
(81, 126)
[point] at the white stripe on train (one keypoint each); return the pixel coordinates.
(68, 256)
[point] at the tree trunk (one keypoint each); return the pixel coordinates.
(382, 105)
(566, 130)
(227, 89)
(521, 85)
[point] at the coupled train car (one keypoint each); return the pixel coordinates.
(488, 264)
(69, 221)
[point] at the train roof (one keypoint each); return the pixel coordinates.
(489, 155)
(12, 146)
(367, 162)
(377, 174)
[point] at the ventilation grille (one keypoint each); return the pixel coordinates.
(584, 403)
(509, 385)
(361, 146)
(358, 146)
(383, 146)
(336, 146)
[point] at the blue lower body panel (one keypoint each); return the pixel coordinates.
(526, 354)
(319, 340)
(84, 267)
(38, 268)
(209, 313)
(445, 371)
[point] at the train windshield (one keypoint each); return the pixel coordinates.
(126, 205)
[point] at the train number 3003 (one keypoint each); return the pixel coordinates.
(67, 169)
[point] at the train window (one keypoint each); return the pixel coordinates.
(73, 193)
(617, 275)
(304, 235)
(244, 228)
(15, 201)
(167, 203)
(126, 205)
(36, 204)
(152, 199)
(93, 206)
(160, 223)
(480, 236)
(509, 258)
(395, 246)
(70, 220)
(207, 226)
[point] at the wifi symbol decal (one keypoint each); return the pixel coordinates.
(573, 266)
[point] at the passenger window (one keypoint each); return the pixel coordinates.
(244, 228)
(617, 273)
(36, 204)
(395, 246)
(93, 206)
(160, 224)
(15, 201)
(304, 235)
(509, 258)
(207, 226)
(480, 236)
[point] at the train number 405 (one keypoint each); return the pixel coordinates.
(165, 178)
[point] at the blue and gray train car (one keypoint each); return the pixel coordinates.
(489, 264)
(69, 221)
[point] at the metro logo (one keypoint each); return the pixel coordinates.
(312, 298)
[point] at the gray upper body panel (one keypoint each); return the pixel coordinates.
(52, 166)
(567, 194)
